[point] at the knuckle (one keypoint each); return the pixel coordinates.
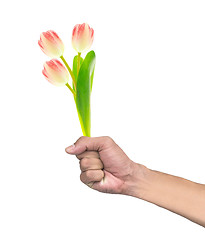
(108, 140)
(81, 138)
(84, 163)
(88, 174)
(82, 177)
(86, 177)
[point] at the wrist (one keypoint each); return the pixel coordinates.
(138, 182)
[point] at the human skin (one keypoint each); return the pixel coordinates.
(106, 168)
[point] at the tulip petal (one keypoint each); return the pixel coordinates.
(82, 37)
(51, 44)
(55, 72)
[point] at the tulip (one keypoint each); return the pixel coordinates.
(82, 37)
(51, 44)
(55, 72)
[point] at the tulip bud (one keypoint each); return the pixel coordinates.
(55, 72)
(82, 37)
(51, 44)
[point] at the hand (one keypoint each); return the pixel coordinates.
(106, 168)
(104, 165)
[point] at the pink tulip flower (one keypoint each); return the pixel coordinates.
(51, 44)
(55, 72)
(82, 37)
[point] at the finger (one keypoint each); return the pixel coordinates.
(90, 164)
(89, 144)
(90, 184)
(88, 154)
(91, 176)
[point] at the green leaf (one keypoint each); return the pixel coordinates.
(92, 76)
(75, 62)
(83, 91)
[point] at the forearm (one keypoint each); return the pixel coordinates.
(176, 194)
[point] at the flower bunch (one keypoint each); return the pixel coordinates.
(82, 72)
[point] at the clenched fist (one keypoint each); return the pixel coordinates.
(104, 165)
(106, 168)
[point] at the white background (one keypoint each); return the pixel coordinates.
(148, 95)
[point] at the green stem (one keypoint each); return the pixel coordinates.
(81, 122)
(78, 63)
(70, 71)
(70, 89)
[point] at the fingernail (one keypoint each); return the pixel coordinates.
(70, 149)
(90, 185)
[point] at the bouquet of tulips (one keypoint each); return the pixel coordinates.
(82, 71)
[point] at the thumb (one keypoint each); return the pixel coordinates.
(87, 144)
